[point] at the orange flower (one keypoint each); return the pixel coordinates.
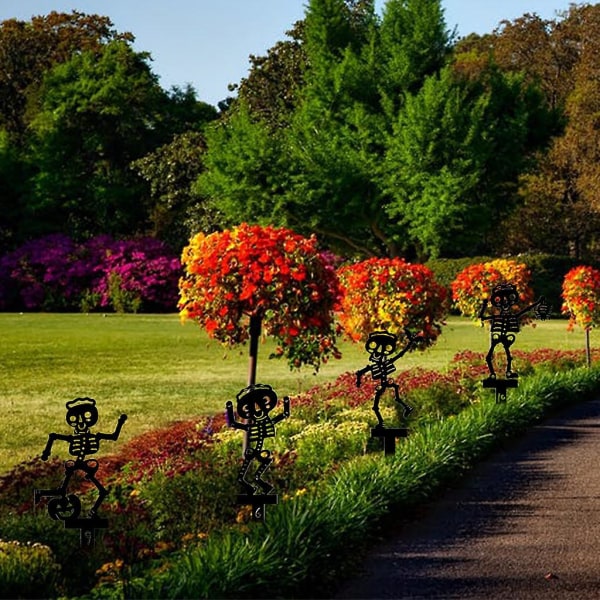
(392, 294)
(266, 271)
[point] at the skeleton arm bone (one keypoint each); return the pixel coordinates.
(114, 436)
(286, 411)
(51, 439)
(482, 312)
(539, 302)
(412, 339)
(360, 373)
(231, 418)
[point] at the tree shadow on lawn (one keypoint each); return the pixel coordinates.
(432, 552)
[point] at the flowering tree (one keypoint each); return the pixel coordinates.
(476, 282)
(238, 281)
(581, 295)
(391, 294)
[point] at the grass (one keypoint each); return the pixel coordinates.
(158, 371)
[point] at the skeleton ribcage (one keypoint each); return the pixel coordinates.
(382, 370)
(505, 324)
(260, 431)
(82, 445)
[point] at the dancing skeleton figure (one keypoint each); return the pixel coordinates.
(254, 404)
(381, 345)
(505, 323)
(82, 414)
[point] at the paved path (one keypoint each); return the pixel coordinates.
(525, 524)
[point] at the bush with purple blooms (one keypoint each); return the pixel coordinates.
(54, 273)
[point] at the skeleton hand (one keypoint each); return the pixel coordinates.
(482, 309)
(413, 339)
(230, 415)
(286, 406)
(358, 378)
(122, 419)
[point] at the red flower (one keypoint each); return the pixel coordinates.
(581, 295)
(391, 294)
(262, 271)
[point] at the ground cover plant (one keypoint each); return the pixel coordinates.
(174, 530)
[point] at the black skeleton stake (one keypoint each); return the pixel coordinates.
(254, 403)
(381, 346)
(505, 323)
(82, 414)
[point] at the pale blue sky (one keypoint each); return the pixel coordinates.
(206, 43)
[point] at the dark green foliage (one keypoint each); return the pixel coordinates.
(446, 269)
(547, 274)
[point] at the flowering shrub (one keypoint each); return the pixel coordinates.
(475, 283)
(55, 273)
(41, 274)
(391, 294)
(266, 272)
(136, 274)
(581, 294)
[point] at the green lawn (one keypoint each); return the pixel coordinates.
(157, 371)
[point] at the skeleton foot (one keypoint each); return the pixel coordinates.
(512, 375)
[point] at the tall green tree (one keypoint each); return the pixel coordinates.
(560, 202)
(454, 158)
(391, 147)
(28, 49)
(318, 170)
(97, 113)
(176, 212)
(271, 89)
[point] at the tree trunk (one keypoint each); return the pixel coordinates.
(588, 351)
(255, 327)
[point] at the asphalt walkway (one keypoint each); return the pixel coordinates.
(525, 524)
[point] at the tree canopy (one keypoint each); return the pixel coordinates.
(382, 133)
(387, 149)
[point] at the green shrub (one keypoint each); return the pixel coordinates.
(446, 269)
(547, 274)
(320, 446)
(195, 501)
(27, 571)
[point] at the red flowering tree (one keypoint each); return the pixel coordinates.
(475, 283)
(249, 278)
(581, 296)
(391, 294)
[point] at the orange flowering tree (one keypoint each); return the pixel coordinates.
(581, 296)
(475, 283)
(252, 278)
(391, 294)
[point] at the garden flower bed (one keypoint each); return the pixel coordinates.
(176, 531)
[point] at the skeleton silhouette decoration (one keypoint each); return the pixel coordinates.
(82, 414)
(254, 404)
(381, 346)
(505, 323)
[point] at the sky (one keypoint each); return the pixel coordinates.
(207, 43)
